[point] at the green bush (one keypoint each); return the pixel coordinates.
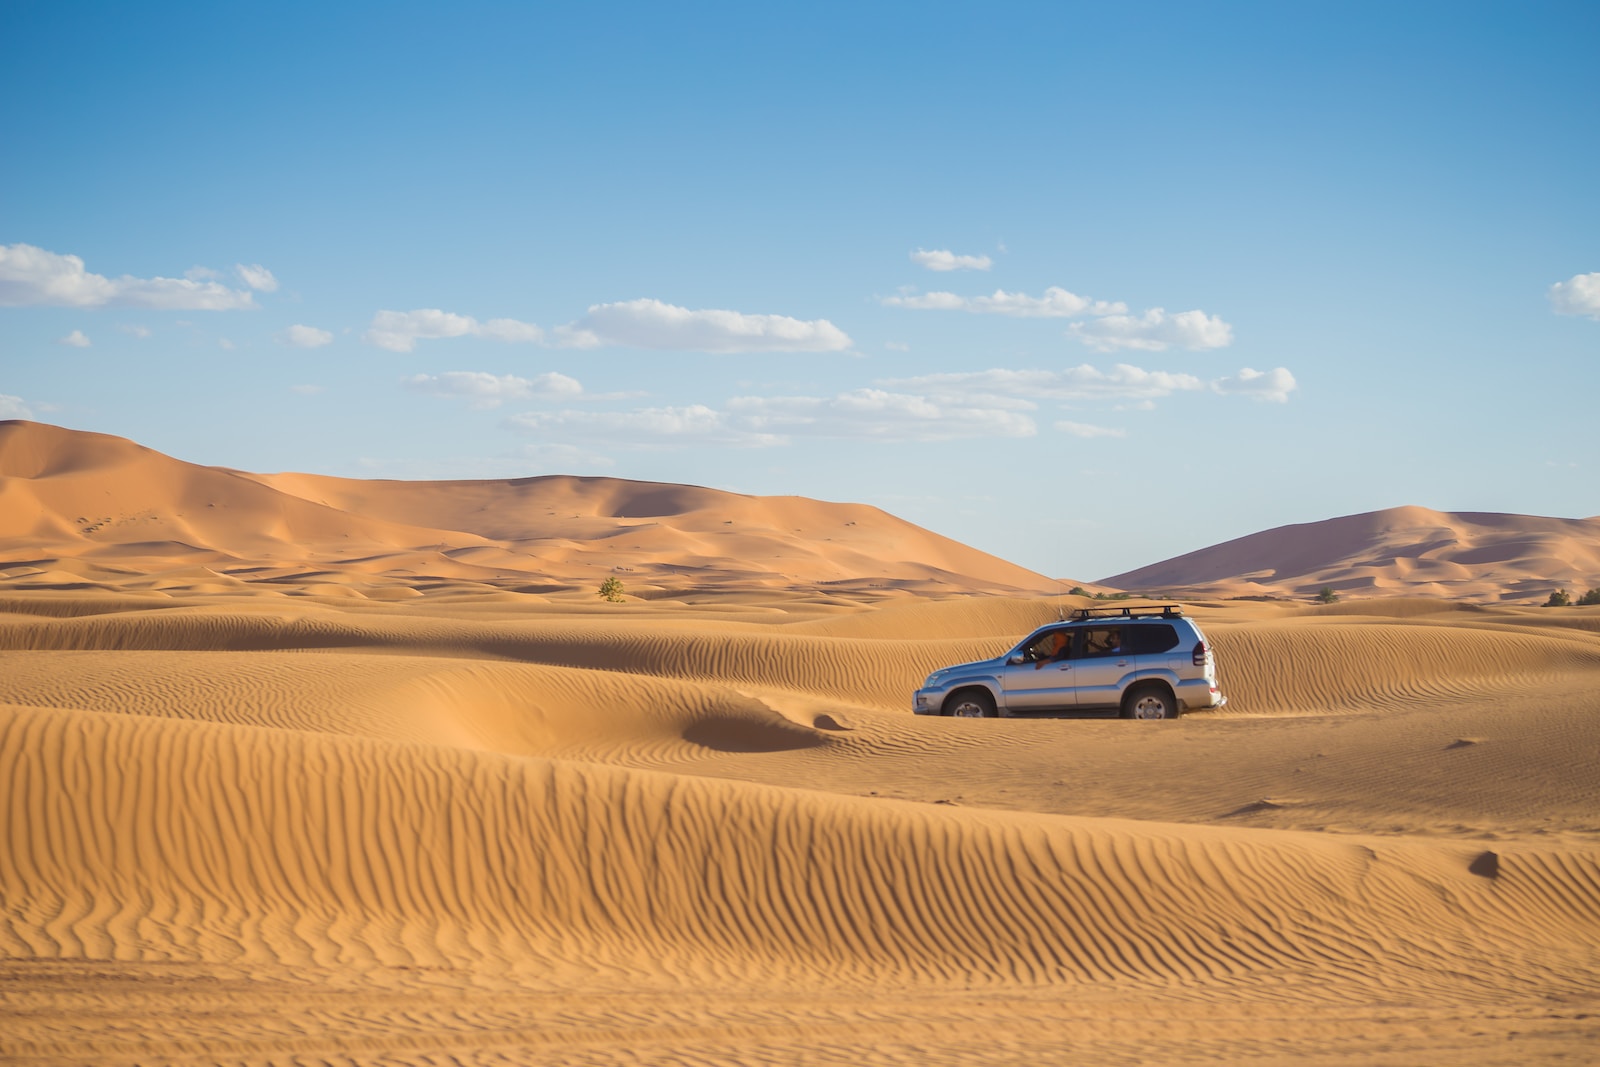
(1590, 598)
(1558, 599)
(1326, 595)
(611, 589)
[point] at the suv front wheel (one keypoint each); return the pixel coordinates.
(970, 704)
(1149, 702)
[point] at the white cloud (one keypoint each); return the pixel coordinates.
(880, 415)
(1154, 331)
(1056, 303)
(694, 424)
(299, 336)
(134, 328)
(510, 330)
(31, 276)
(1022, 387)
(491, 390)
(1270, 385)
(225, 344)
(399, 331)
(257, 277)
(14, 407)
(1578, 295)
(76, 339)
(1084, 429)
(943, 259)
(306, 390)
(654, 324)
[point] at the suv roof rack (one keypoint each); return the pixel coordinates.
(1163, 611)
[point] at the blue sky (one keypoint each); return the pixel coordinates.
(1085, 286)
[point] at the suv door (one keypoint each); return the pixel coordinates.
(1042, 681)
(1102, 665)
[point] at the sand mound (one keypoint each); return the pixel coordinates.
(64, 493)
(1410, 550)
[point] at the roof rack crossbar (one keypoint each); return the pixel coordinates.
(1163, 611)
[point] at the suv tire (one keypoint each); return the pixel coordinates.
(1149, 702)
(970, 704)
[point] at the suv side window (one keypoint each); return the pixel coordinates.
(1102, 641)
(1152, 638)
(1049, 646)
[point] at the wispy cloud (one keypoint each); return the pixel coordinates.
(257, 277)
(486, 390)
(300, 336)
(942, 259)
(14, 407)
(659, 427)
(1083, 382)
(1084, 429)
(75, 339)
(31, 276)
(878, 414)
(1266, 385)
(1578, 295)
(1154, 331)
(399, 331)
(653, 324)
(1056, 303)
(135, 329)
(771, 421)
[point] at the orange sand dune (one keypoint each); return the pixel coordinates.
(537, 829)
(81, 508)
(306, 770)
(1468, 555)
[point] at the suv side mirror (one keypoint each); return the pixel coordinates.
(1016, 658)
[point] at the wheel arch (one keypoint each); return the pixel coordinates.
(1156, 682)
(989, 693)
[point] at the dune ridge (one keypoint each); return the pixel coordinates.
(83, 509)
(1407, 550)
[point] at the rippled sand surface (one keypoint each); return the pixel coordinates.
(467, 827)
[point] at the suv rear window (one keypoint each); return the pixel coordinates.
(1151, 638)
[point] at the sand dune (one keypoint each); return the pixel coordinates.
(111, 507)
(1412, 551)
(265, 803)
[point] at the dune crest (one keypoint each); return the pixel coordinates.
(82, 508)
(1479, 556)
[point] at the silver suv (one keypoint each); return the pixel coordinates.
(1144, 663)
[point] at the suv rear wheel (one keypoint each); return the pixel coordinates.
(1149, 702)
(970, 704)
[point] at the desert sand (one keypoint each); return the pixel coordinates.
(1487, 557)
(268, 798)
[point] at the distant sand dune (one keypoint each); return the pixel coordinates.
(105, 500)
(1410, 550)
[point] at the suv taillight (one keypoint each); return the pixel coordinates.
(1200, 654)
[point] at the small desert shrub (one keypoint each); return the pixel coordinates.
(611, 589)
(1077, 590)
(1590, 598)
(1558, 599)
(1326, 595)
